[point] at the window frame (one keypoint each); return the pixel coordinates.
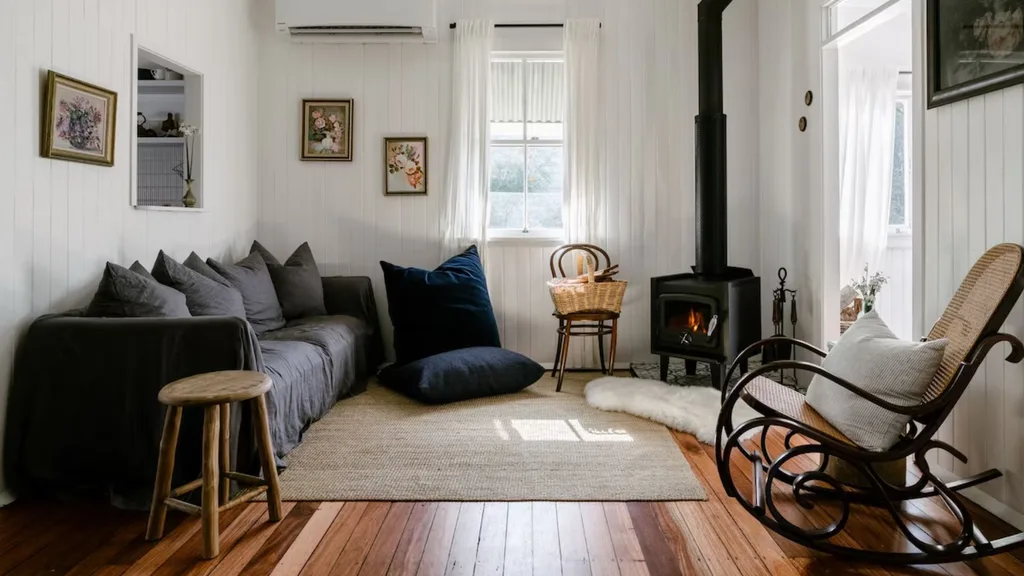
(525, 143)
(906, 99)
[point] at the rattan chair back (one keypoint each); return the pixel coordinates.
(979, 307)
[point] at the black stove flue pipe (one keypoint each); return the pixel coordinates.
(710, 131)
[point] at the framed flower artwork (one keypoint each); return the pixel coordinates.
(974, 47)
(80, 122)
(405, 166)
(327, 130)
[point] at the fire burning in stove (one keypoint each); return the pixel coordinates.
(695, 322)
(692, 320)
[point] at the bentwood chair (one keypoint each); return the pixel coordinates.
(586, 323)
(971, 324)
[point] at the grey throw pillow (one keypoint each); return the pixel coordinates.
(141, 270)
(251, 277)
(195, 263)
(297, 282)
(204, 297)
(870, 356)
(125, 294)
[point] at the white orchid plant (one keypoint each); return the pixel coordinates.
(188, 132)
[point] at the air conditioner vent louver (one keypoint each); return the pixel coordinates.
(358, 21)
(356, 30)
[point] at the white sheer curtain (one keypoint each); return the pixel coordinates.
(464, 217)
(584, 144)
(867, 116)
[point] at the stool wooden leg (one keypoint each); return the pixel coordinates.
(267, 458)
(600, 345)
(164, 471)
(211, 443)
(614, 344)
(225, 452)
(564, 356)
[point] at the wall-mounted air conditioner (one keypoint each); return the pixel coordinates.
(358, 21)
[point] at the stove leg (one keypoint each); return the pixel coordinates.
(664, 369)
(716, 375)
(691, 367)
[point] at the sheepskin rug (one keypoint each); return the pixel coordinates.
(692, 409)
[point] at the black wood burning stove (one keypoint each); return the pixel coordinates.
(713, 313)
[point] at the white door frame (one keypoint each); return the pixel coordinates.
(829, 162)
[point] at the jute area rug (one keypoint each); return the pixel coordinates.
(533, 445)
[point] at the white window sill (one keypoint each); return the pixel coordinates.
(552, 237)
(900, 237)
(169, 209)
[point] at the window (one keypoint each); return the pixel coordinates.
(899, 207)
(527, 135)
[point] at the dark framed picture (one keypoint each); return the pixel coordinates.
(81, 121)
(405, 166)
(974, 47)
(327, 130)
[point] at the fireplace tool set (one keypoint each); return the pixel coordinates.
(781, 350)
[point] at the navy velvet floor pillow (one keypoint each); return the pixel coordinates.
(462, 375)
(434, 311)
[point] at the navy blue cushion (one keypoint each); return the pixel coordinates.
(462, 374)
(440, 310)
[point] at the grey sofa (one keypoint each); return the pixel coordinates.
(83, 411)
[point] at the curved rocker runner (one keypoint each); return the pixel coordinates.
(971, 324)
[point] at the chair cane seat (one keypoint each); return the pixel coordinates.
(767, 395)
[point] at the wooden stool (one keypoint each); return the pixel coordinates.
(214, 392)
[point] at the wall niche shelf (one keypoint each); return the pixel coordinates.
(161, 86)
(161, 141)
(159, 160)
(171, 209)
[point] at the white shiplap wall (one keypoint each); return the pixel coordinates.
(61, 221)
(896, 301)
(974, 199)
(650, 73)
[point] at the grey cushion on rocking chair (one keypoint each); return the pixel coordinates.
(870, 356)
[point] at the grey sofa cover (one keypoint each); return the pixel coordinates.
(83, 413)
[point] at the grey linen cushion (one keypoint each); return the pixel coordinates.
(141, 270)
(204, 297)
(297, 282)
(195, 263)
(251, 277)
(870, 356)
(125, 294)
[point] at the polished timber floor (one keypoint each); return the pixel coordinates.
(543, 538)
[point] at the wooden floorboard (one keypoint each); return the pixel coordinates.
(713, 537)
(275, 547)
(407, 556)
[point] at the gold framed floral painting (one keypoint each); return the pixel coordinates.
(405, 166)
(80, 121)
(327, 130)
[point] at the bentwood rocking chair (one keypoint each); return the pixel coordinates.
(971, 325)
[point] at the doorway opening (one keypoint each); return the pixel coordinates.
(869, 135)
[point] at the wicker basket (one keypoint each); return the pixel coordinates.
(578, 295)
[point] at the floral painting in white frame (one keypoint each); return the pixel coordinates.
(80, 122)
(405, 165)
(327, 130)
